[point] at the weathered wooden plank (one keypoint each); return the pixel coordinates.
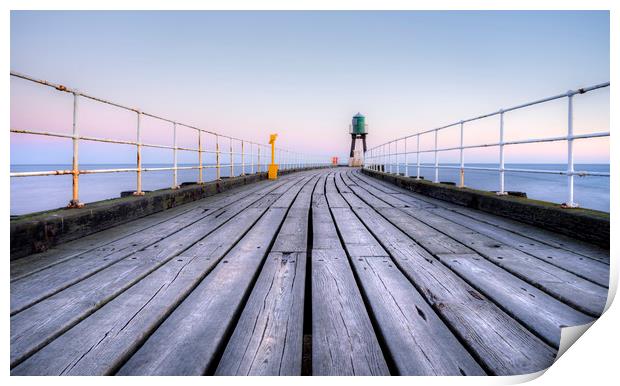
(571, 289)
(40, 285)
(46, 320)
(418, 341)
(535, 309)
(475, 319)
(269, 335)
(30, 264)
(33, 263)
(102, 342)
(580, 265)
(268, 338)
(332, 195)
(541, 235)
(432, 240)
(343, 339)
(590, 269)
(189, 340)
(577, 292)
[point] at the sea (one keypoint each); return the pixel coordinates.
(35, 194)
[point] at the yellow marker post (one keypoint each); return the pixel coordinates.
(273, 167)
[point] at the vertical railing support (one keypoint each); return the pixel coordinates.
(436, 180)
(397, 161)
(418, 157)
(251, 157)
(138, 191)
(570, 170)
(406, 160)
(501, 191)
(242, 159)
(175, 184)
(385, 158)
(258, 162)
(217, 158)
(462, 158)
(389, 157)
(232, 159)
(200, 178)
(75, 196)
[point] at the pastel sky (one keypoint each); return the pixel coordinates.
(305, 74)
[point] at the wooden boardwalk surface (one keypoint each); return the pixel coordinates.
(325, 272)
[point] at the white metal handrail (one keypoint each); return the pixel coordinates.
(384, 158)
(248, 150)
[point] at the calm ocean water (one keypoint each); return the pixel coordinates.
(33, 194)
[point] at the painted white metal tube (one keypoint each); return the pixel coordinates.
(501, 154)
(138, 191)
(242, 159)
(200, 177)
(232, 159)
(406, 160)
(175, 183)
(462, 159)
(570, 166)
(75, 200)
(217, 158)
(418, 157)
(396, 161)
(436, 180)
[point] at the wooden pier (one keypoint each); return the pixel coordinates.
(322, 272)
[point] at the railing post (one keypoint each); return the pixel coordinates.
(200, 179)
(462, 171)
(385, 158)
(138, 191)
(232, 159)
(396, 160)
(258, 161)
(418, 157)
(251, 157)
(389, 157)
(242, 159)
(436, 158)
(570, 165)
(502, 191)
(406, 160)
(217, 157)
(175, 184)
(75, 198)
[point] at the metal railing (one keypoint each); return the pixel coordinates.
(382, 157)
(254, 156)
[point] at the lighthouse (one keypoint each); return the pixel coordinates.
(358, 130)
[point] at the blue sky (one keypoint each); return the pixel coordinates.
(304, 74)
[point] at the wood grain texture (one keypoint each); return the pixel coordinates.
(393, 282)
(44, 283)
(531, 232)
(33, 263)
(269, 335)
(476, 320)
(188, 341)
(417, 339)
(536, 310)
(572, 289)
(343, 338)
(37, 325)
